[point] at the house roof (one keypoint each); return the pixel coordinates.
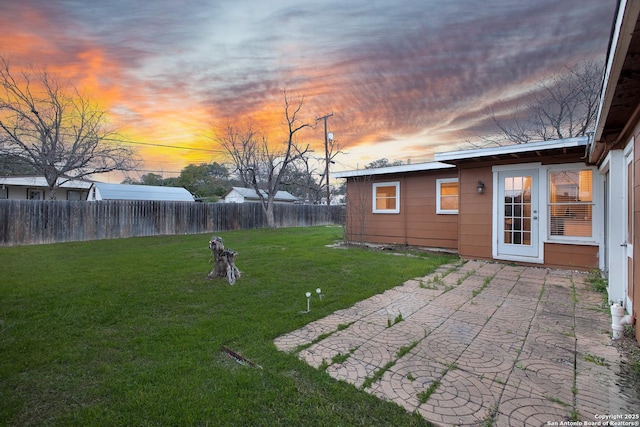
(250, 193)
(561, 147)
(415, 167)
(40, 181)
(141, 192)
(531, 149)
(620, 95)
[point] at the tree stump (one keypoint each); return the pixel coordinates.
(224, 261)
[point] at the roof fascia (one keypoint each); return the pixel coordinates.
(512, 149)
(620, 40)
(415, 167)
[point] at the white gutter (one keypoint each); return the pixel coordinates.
(512, 149)
(415, 167)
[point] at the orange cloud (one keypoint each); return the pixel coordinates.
(400, 80)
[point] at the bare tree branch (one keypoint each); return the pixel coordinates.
(258, 164)
(563, 107)
(54, 129)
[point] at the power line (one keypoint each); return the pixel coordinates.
(160, 171)
(164, 146)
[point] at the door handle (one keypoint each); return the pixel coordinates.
(535, 217)
(624, 245)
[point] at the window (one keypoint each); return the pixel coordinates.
(571, 204)
(447, 196)
(386, 197)
(74, 195)
(35, 194)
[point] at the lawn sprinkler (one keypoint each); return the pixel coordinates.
(308, 294)
(319, 292)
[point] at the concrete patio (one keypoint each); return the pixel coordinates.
(477, 343)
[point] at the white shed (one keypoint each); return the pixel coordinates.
(241, 195)
(102, 191)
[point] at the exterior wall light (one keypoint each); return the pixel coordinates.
(480, 187)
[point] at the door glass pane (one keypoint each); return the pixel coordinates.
(517, 210)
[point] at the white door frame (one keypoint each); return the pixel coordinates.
(616, 256)
(500, 250)
(628, 224)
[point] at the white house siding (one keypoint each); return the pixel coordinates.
(36, 188)
(234, 197)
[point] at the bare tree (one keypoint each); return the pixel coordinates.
(359, 202)
(259, 165)
(54, 129)
(300, 180)
(563, 107)
(358, 209)
(383, 163)
(332, 149)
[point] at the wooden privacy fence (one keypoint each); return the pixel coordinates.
(28, 222)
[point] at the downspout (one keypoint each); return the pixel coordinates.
(403, 210)
(587, 148)
(618, 320)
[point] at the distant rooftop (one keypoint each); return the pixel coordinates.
(40, 181)
(103, 191)
(415, 167)
(250, 193)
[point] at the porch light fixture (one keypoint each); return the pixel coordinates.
(480, 187)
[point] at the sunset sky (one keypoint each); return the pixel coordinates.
(404, 78)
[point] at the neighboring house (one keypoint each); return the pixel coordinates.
(103, 191)
(241, 195)
(616, 152)
(36, 188)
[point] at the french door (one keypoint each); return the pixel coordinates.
(517, 227)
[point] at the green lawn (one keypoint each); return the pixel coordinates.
(128, 332)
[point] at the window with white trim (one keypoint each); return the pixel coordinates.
(571, 204)
(386, 197)
(74, 195)
(447, 195)
(33, 194)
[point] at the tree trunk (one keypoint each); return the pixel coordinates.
(224, 261)
(271, 220)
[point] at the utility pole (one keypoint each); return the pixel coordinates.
(326, 155)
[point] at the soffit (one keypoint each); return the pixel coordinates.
(626, 96)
